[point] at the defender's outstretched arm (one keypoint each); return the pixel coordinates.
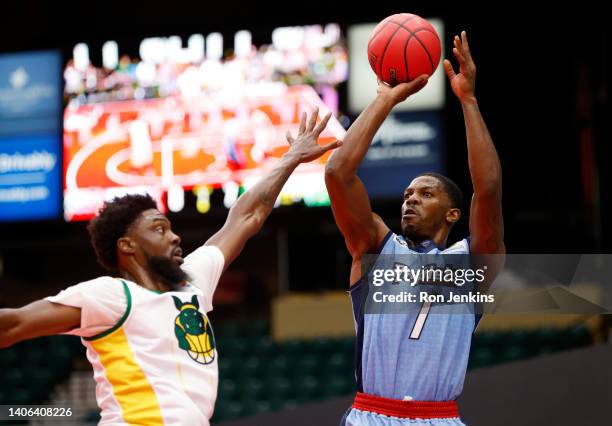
(40, 318)
(247, 216)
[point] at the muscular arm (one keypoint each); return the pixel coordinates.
(40, 318)
(349, 199)
(362, 230)
(486, 220)
(247, 216)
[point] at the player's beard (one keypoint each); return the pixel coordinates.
(167, 271)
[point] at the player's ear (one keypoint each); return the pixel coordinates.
(453, 215)
(126, 245)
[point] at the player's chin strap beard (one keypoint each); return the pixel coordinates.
(167, 271)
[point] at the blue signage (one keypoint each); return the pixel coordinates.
(29, 178)
(30, 84)
(407, 144)
(30, 139)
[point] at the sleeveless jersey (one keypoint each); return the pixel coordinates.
(416, 354)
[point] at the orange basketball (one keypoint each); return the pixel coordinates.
(402, 47)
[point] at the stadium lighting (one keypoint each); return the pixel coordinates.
(242, 43)
(110, 55)
(174, 51)
(195, 46)
(230, 191)
(80, 54)
(288, 38)
(202, 198)
(176, 198)
(214, 46)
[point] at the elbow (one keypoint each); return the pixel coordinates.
(5, 342)
(333, 174)
(9, 322)
(491, 188)
(331, 171)
(332, 177)
(493, 192)
(335, 167)
(255, 222)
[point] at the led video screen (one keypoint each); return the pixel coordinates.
(200, 117)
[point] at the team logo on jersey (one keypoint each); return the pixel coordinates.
(193, 331)
(400, 241)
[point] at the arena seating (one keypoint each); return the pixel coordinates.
(257, 374)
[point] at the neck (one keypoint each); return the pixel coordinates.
(440, 238)
(136, 273)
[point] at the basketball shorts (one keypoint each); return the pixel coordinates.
(370, 410)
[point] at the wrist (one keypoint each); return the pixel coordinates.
(468, 100)
(385, 100)
(290, 159)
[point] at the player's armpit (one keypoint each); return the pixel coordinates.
(362, 230)
(492, 264)
(486, 224)
(381, 230)
(487, 235)
(40, 318)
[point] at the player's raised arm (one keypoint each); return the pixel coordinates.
(486, 221)
(361, 229)
(247, 216)
(40, 318)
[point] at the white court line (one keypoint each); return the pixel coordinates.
(189, 179)
(305, 93)
(87, 150)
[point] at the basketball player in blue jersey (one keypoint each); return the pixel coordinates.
(410, 367)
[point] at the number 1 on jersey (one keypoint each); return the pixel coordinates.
(417, 328)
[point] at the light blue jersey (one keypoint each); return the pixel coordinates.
(418, 354)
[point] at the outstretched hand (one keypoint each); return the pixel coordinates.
(305, 147)
(400, 92)
(464, 83)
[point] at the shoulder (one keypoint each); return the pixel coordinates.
(104, 281)
(397, 241)
(102, 301)
(462, 247)
(104, 285)
(204, 267)
(190, 288)
(384, 243)
(206, 254)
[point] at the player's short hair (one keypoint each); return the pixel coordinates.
(112, 223)
(451, 188)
